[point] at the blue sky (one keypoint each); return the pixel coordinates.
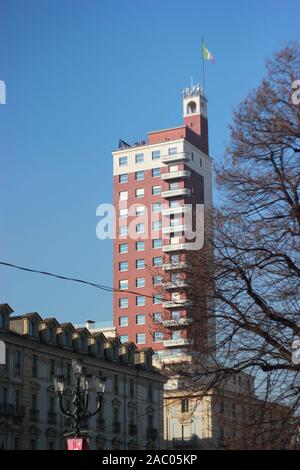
(79, 76)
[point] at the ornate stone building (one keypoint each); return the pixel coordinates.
(37, 349)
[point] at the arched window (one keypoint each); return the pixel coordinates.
(191, 107)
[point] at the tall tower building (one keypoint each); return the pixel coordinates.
(156, 183)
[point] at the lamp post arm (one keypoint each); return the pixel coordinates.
(62, 409)
(99, 404)
(86, 404)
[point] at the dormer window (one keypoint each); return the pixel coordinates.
(66, 338)
(2, 320)
(50, 335)
(82, 343)
(32, 328)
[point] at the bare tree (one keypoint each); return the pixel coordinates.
(246, 280)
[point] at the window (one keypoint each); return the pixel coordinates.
(123, 248)
(157, 261)
(175, 315)
(140, 282)
(140, 300)
(157, 280)
(123, 230)
(140, 338)
(123, 338)
(140, 319)
(123, 321)
(123, 195)
(157, 299)
(123, 212)
(156, 155)
(34, 365)
(184, 405)
(123, 178)
(139, 175)
(150, 393)
(123, 302)
(156, 225)
(158, 336)
(157, 243)
(140, 246)
(173, 186)
(123, 161)
(157, 317)
(123, 266)
(140, 228)
(139, 158)
(174, 259)
(200, 162)
(2, 320)
(175, 278)
(52, 367)
(131, 388)
(17, 362)
(123, 284)
(156, 190)
(31, 328)
(173, 168)
(140, 264)
(176, 334)
(140, 210)
(155, 172)
(175, 203)
(116, 384)
(69, 373)
(172, 150)
(156, 207)
(175, 221)
(139, 192)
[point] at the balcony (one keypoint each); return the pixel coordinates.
(116, 426)
(177, 303)
(176, 174)
(175, 247)
(179, 322)
(176, 157)
(185, 442)
(175, 228)
(132, 429)
(170, 343)
(175, 285)
(34, 415)
(177, 210)
(52, 417)
(14, 412)
(152, 433)
(173, 266)
(176, 192)
(100, 425)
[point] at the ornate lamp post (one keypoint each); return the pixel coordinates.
(80, 394)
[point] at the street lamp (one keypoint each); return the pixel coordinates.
(80, 394)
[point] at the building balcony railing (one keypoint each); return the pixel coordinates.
(177, 303)
(152, 433)
(100, 425)
(132, 429)
(169, 343)
(174, 266)
(34, 415)
(176, 157)
(177, 210)
(179, 322)
(176, 174)
(14, 412)
(174, 285)
(185, 442)
(175, 247)
(116, 426)
(52, 417)
(175, 228)
(176, 192)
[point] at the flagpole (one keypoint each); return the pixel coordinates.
(202, 64)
